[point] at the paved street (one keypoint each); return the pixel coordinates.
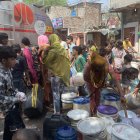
(35, 124)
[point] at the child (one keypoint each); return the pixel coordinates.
(125, 72)
(127, 61)
(19, 69)
(118, 53)
(130, 79)
(8, 95)
(133, 76)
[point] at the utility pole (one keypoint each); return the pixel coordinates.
(84, 2)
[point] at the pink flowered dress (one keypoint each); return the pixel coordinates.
(118, 60)
(118, 57)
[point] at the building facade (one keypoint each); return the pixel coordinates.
(78, 18)
(130, 10)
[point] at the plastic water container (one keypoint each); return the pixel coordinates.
(67, 100)
(112, 99)
(92, 128)
(77, 115)
(105, 91)
(82, 103)
(66, 133)
(67, 104)
(107, 111)
(122, 131)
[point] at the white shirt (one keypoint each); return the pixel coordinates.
(64, 44)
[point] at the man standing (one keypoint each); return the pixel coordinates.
(9, 97)
(70, 43)
(128, 46)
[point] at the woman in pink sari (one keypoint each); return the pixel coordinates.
(43, 43)
(27, 52)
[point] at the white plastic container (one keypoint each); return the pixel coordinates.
(77, 115)
(69, 96)
(136, 123)
(109, 123)
(129, 113)
(101, 136)
(112, 99)
(67, 100)
(92, 128)
(82, 103)
(124, 132)
(67, 104)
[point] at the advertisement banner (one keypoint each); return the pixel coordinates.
(57, 23)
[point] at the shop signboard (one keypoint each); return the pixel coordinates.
(40, 27)
(49, 29)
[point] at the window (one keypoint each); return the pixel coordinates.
(73, 12)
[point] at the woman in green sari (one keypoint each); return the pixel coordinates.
(56, 60)
(79, 61)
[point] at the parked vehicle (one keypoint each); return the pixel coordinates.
(19, 20)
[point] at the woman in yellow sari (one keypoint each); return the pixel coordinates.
(57, 61)
(95, 75)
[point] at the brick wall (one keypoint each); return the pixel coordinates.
(87, 17)
(58, 11)
(129, 16)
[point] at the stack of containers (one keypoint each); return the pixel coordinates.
(68, 96)
(67, 100)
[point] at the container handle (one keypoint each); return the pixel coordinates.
(55, 117)
(112, 88)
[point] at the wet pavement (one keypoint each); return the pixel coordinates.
(35, 124)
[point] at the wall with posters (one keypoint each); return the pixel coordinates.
(57, 23)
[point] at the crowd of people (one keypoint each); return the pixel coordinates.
(52, 64)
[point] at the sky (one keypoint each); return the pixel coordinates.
(105, 2)
(71, 2)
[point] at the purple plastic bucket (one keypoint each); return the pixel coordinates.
(107, 110)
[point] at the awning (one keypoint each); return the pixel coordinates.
(126, 8)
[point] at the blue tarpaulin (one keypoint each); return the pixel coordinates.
(75, 2)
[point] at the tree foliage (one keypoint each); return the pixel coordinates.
(47, 2)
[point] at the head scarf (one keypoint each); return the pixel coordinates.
(43, 40)
(54, 39)
(57, 59)
(93, 48)
(98, 67)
